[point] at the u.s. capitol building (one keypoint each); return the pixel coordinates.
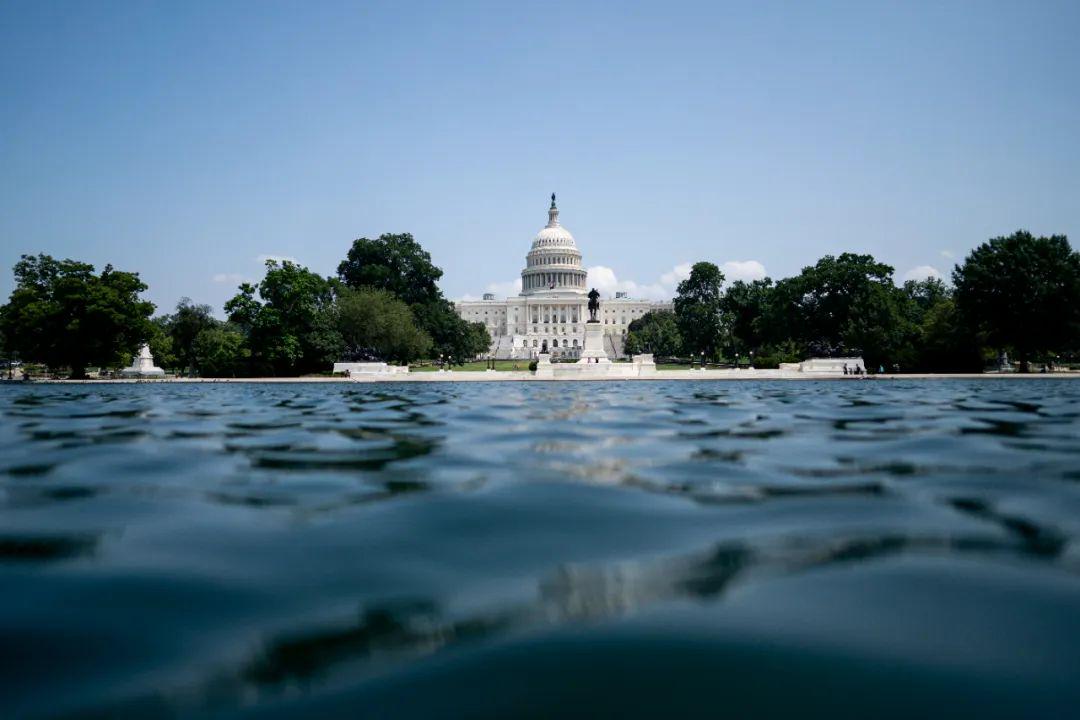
(550, 313)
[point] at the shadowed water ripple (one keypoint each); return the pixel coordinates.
(540, 550)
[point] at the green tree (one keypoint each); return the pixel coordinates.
(375, 323)
(62, 314)
(400, 266)
(291, 327)
(744, 304)
(220, 350)
(1022, 292)
(938, 339)
(925, 294)
(479, 341)
(184, 326)
(395, 263)
(945, 343)
(841, 305)
(161, 343)
(452, 337)
(654, 332)
(699, 310)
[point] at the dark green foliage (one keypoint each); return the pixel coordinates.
(184, 326)
(479, 340)
(400, 266)
(945, 343)
(291, 327)
(221, 351)
(654, 332)
(193, 340)
(1023, 293)
(699, 310)
(62, 314)
(839, 306)
(452, 337)
(395, 263)
(744, 305)
(374, 322)
(161, 343)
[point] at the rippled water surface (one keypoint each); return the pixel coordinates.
(865, 549)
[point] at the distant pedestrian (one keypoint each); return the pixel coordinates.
(880, 369)
(845, 369)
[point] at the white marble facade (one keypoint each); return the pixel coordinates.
(552, 308)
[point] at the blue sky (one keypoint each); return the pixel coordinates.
(186, 140)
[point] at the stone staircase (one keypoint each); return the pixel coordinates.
(614, 346)
(504, 347)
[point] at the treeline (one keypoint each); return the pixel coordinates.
(1018, 295)
(383, 304)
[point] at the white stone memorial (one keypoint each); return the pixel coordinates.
(361, 369)
(143, 366)
(593, 352)
(832, 366)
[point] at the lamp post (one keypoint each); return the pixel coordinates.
(736, 361)
(751, 359)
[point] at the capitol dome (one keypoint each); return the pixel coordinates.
(553, 265)
(553, 234)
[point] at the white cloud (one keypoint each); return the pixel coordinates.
(676, 275)
(505, 289)
(231, 278)
(501, 290)
(947, 254)
(746, 270)
(603, 279)
(607, 282)
(280, 258)
(922, 272)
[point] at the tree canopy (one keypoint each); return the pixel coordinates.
(401, 267)
(840, 305)
(452, 336)
(1022, 292)
(221, 350)
(395, 263)
(699, 310)
(62, 314)
(291, 327)
(744, 304)
(182, 328)
(375, 325)
(655, 332)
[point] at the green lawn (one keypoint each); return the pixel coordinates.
(476, 366)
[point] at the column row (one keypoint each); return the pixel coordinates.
(543, 280)
(554, 314)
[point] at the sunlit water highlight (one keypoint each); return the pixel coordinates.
(862, 549)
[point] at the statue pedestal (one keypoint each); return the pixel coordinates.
(593, 352)
(543, 366)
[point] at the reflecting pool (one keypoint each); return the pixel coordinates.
(644, 549)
